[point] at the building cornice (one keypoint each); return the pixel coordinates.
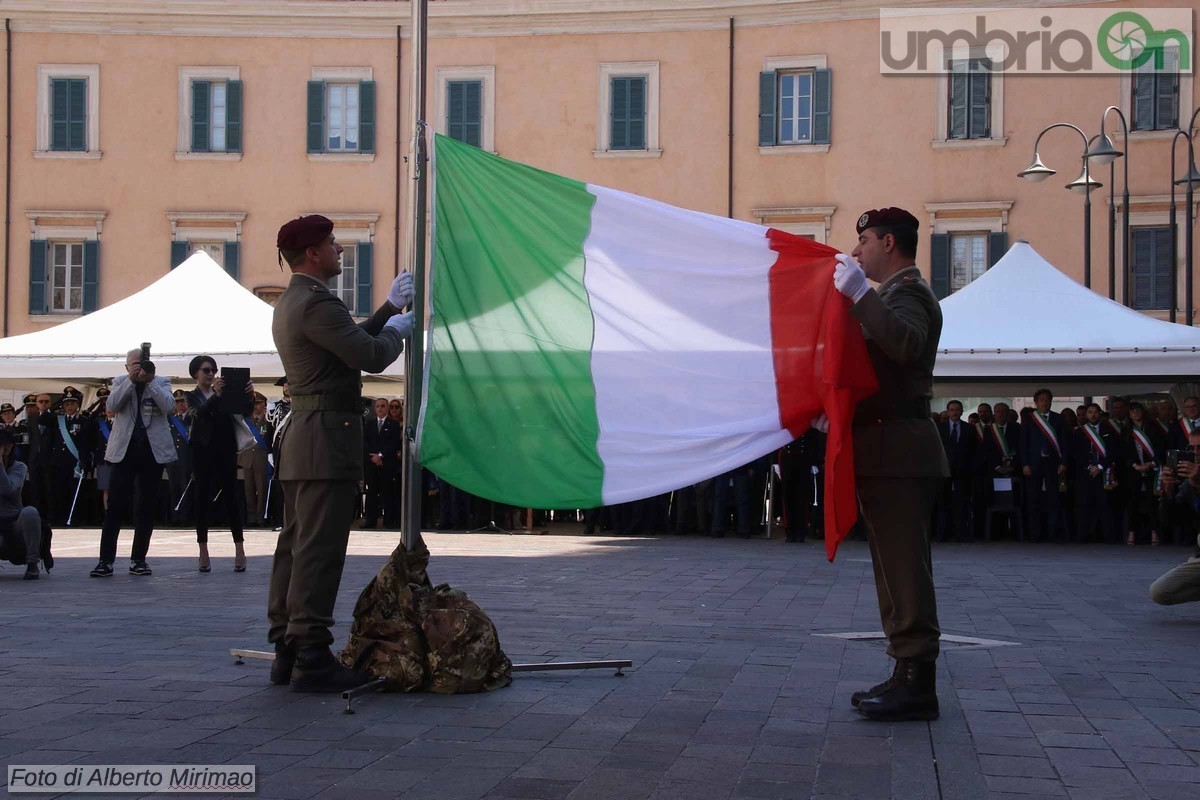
(473, 18)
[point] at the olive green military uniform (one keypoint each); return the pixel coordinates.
(320, 451)
(899, 462)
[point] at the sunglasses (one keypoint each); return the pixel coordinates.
(208, 370)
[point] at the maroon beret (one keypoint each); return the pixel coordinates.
(886, 216)
(303, 232)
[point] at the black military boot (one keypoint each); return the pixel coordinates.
(913, 698)
(880, 688)
(281, 667)
(316, 670)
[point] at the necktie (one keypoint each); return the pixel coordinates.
(380, 430)
(956, 433)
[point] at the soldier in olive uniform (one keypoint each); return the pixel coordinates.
(899, 463)
(320, 447)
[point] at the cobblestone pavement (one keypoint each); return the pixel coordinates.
(731, 694)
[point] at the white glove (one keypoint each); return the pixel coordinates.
(821, 423)
(849, 278)
(401, 293)
(401, 322)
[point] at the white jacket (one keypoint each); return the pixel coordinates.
(157, 403)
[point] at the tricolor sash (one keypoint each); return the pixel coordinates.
(180, 427)
(979, 428)
(1001, 442)
(1046, 430)
(1188, 427)
(1097, 441)
(1145, 450)
(1117, 429)
(1164, 426)
(257, 435)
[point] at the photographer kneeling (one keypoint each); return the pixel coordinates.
(20, 525)
(1181, 485)
(138, 447)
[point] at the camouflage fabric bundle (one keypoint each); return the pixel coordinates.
(422, 637)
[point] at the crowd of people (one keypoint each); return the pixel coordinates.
(1080, 475)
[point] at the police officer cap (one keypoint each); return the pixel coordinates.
(886, 216)
(7, 407)
(71, 393)
(29, 400)
(179, 394)
(303, 232)
(103, 392)
(282, 381)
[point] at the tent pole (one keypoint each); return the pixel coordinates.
(413, 492)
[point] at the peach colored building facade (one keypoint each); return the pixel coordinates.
(131, 176)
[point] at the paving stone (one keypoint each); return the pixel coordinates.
(730, 696)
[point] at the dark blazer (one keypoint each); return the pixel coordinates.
(893, 434)
(213, 438)
(1034, 443)
(1177, 439)
(1084, 454)
(961, 454)
(988, 454)
(386, 442)
(80, 429)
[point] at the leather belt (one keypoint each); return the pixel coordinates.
(327, 402)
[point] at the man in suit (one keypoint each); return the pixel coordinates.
(899, 463)
(138, 448)
(321, 447)
(959, 441)
(996, 457)
(1044, 465)
(1187, 424)
(382, 440)
(1094, 458)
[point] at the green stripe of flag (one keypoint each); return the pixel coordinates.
(510, 367)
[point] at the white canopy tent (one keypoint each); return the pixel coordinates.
(1023, 325)
(195, 308)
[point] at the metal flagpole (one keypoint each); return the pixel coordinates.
(415, 363)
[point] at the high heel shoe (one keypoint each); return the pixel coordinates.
(1132, 539)
(239, 559)
(205, 563)
(1154, 538)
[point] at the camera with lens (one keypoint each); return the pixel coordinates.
(146, 364)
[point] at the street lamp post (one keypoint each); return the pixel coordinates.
(1038, 172)
(1174, 224)
(1103, 152)
(1191, 179)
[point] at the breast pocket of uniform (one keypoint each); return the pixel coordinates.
(342, 445)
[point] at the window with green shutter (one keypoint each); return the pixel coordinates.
(464, 111)
(1151, 249)
(68, 114)
(794, 107)
(970, 99)
(216, 116)
(1156, 93)
(628, 113)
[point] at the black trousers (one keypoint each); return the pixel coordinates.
(383, 497)
(138, 470)
(214, 474)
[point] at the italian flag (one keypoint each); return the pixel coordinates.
(591, 347)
